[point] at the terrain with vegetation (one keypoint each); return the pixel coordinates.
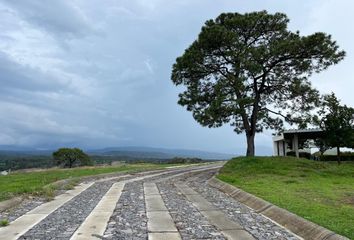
(39, 182)
(12, 158)
(322, 192)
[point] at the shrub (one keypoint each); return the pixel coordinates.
(301, 154)
(4, 222)
(177, 160)
(345, 156)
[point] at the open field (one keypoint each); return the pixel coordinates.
(34, 182)
(318, 191)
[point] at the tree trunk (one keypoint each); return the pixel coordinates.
(250, 145)
(338, 155)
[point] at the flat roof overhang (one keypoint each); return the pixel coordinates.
(304, 134)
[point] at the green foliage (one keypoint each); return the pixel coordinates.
(21, 161)
(337, 121)
(48, 192)
(322, 145)
(344, 156)
(4, 222)
(70, 157)
(178, 160)
(301, 154)
(250, 71)
(318, 191)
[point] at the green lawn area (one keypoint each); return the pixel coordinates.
(33, 182)
(321, 192)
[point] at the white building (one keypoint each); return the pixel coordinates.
(289, 140)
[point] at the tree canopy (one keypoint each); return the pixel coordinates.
(250, 71)
(338, 123)
(70, 157)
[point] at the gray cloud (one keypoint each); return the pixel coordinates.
(22, 77)
(97, 73)
(61, 18)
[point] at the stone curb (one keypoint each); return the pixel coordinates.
(292, 222)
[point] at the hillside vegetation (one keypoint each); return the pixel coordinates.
(23, 159)
(321, 192)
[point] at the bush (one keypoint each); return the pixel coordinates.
(4, 222)
(345, 156)
(301, 154)
(177, 160)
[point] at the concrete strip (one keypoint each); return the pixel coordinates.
(219, 219)
(295, 224)
(154, 203)
(237, 234)
(201, 203)
(24, 223)
(160, 223)
(95, 224)
(164, 236)
(216, 217)
(150, 189)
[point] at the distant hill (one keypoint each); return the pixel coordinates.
(20, 158)
(161, 153)
(133, 152)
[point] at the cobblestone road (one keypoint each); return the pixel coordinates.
(171, 204)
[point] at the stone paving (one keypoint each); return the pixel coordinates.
(174, 204)
(256, 224)
(24, 207)
(70, 216)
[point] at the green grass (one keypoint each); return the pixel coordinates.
(320, 192)
(4, 222)
(37, 182)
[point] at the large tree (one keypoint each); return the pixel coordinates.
(337, 121)
(250, 71)
(70, 157)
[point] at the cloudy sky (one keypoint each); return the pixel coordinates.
(93, 73)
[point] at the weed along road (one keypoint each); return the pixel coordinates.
(175, 203)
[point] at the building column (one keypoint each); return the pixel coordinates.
(275, 148)
(296, 145)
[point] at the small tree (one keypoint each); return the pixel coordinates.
(250, 71)
(338, 123)
(322, 145)
(69, 157)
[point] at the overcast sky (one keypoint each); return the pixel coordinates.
(93, 73)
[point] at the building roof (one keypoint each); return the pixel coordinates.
(308, 130)
(310, 133)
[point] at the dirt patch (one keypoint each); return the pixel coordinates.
(348, 200)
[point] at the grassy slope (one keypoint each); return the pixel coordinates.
(33, 182)
(320, 192)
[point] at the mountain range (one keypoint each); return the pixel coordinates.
(132, 152)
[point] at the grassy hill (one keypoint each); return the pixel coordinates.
(318, 191)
